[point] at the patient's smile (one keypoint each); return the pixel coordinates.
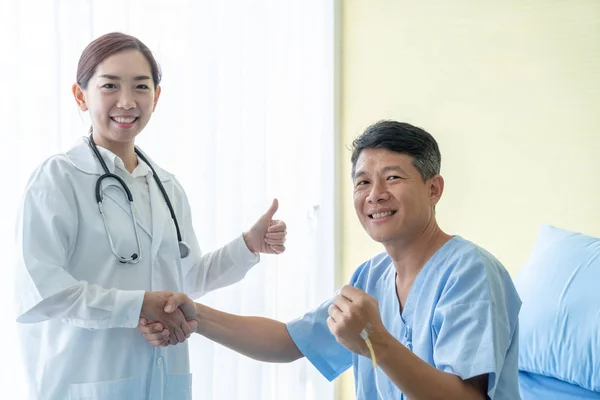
(381, 215)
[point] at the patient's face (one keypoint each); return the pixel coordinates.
(391, 199)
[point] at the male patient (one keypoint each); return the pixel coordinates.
(441, 313)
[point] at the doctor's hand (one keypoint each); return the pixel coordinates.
(156, 333)
(352, 311)
(267, 235)
(174, 321)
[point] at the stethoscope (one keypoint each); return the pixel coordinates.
(184, 248)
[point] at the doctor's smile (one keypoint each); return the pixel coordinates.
(124, 121)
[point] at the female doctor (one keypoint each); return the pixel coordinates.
(105, 236)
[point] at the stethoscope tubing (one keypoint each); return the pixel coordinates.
(184, 248)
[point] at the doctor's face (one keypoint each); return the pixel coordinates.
(391, 199)
(120, 96)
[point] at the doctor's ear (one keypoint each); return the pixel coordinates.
(79, 97)
(156, 96)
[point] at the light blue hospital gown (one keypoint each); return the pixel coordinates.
(461, 316)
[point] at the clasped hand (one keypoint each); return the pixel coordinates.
(174, 324)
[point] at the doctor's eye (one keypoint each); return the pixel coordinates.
(361, 183)
(393, 177)
(143, 87)
(109, 86)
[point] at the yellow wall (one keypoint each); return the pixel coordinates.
(511, 90)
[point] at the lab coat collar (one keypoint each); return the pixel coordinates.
(83, 158)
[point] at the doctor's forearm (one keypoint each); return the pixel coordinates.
(259, 338)
(89, 306)
(417, 379)
(219, 268)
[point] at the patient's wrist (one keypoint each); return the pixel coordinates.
(383, 343)
(200, 316)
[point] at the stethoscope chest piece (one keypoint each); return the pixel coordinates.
(184, 249)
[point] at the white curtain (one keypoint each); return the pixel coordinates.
(246, 114)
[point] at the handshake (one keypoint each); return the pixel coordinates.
(170, 318)
(167, 318)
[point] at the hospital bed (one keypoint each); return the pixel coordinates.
(559, 322)
(538, 387)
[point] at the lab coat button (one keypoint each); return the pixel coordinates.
(159, 362)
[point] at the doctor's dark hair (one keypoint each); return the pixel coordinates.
(108, 45)
(403, 138)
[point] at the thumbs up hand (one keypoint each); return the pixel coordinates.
(267, 235)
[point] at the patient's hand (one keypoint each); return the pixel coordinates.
(156, 332)
(352, 311)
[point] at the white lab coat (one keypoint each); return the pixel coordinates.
(79, 307)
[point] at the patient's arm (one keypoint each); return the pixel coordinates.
(419, 380)
(259, 338)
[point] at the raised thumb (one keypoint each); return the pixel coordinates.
(272, 210)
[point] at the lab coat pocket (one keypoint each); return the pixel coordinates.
(128, 388)
(179, 386)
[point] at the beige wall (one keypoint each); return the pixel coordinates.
(511, 90)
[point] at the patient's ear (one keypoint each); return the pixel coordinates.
(436, 188)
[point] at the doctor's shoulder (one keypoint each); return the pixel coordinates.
(53, 175)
